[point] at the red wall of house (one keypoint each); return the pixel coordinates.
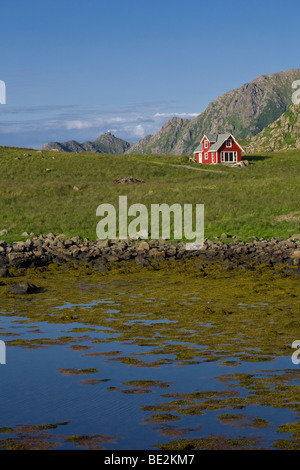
(233, 148)
(204, 140)
(206, 150)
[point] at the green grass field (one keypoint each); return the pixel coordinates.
(44, 192)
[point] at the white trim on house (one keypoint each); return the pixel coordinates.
(231, 157)
(237, 143)
(219, 143)
(215, 146)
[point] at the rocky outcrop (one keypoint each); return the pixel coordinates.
(139, 146)
(164, 141)
(282, 134)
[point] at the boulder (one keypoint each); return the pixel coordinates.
(4, 272)
(24, 287)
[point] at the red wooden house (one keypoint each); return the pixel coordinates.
(218, 148)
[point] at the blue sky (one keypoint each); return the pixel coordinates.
(74, 69)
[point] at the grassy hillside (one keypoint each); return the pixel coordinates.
(48, 191)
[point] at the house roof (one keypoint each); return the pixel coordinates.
(217, 140)
(210, 137)
(220, 140)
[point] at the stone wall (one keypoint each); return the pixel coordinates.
(102, 254)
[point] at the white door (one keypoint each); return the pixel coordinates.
(200, 157)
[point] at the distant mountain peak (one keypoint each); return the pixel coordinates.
(105, 143)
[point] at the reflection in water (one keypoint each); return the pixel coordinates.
(151, 359)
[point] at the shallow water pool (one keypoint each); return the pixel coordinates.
(150, 359)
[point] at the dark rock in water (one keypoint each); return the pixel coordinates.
(65, 267)
(4, 272)
(2, 283)
(24, 287)
(99, 266)
(227, 267)
(140, 261)
(295, 271)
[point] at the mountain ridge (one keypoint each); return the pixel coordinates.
(244, 111)
(105, 143)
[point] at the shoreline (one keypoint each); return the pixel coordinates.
(102, 255)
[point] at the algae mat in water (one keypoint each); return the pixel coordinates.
(192, 356)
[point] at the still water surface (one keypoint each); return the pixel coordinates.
(149, 362)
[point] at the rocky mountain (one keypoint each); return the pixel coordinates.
(244, 111)
(282, 134)
(70, 146)
(164, 140)
(105, 143)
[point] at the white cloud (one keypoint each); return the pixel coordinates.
(64, 124)
(76, 125)
(91, 123)
(139, 131)
(183, 115)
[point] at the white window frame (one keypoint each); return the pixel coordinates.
(206, 156)
(229, 142)
(223, 157)
(206, 144)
